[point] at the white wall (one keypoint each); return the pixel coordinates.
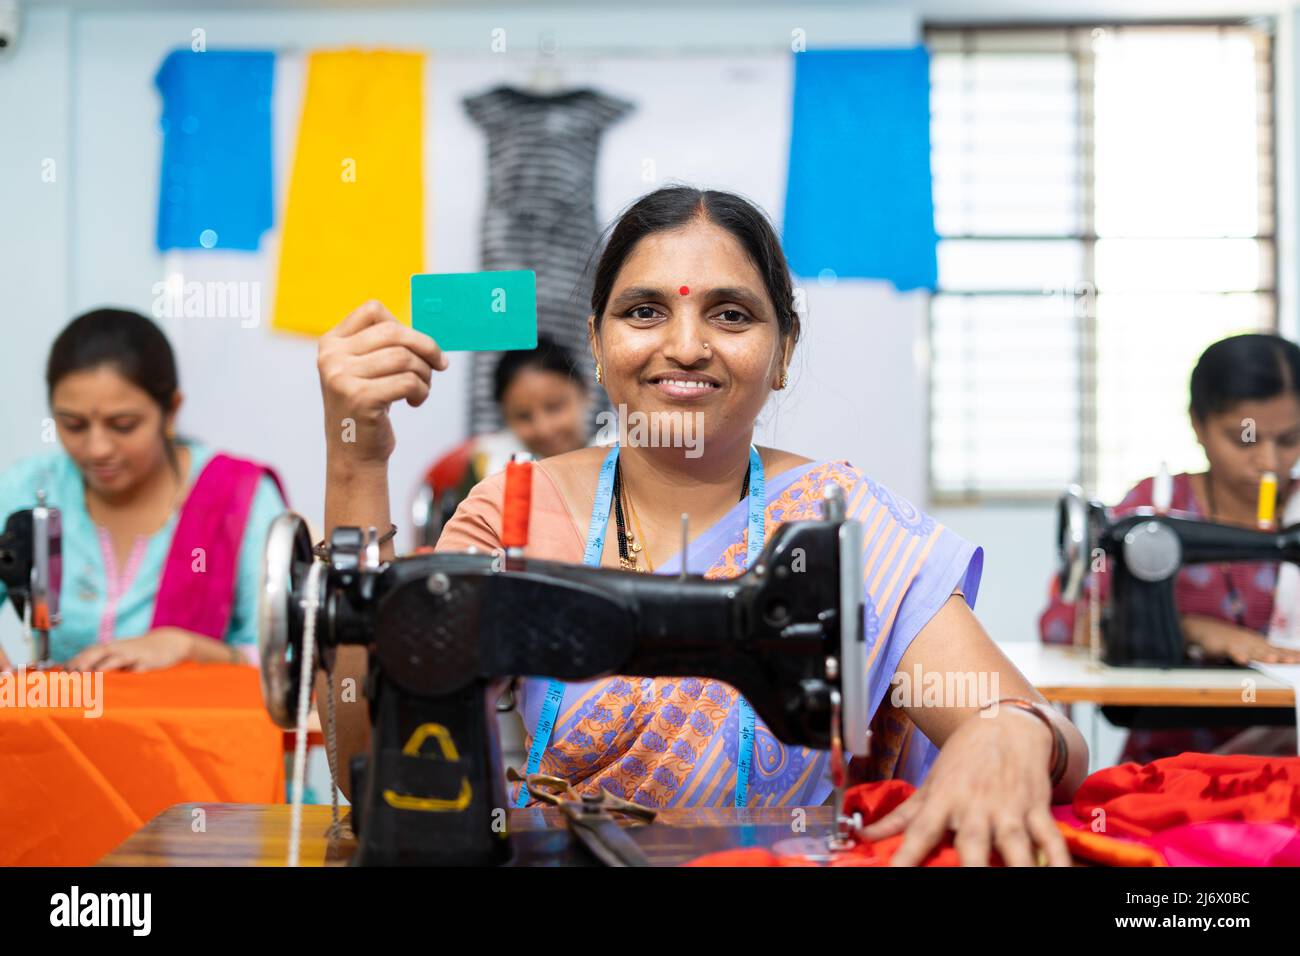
(35, 217)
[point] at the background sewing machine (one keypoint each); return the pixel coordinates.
(447, 632)
(1144, 552)
(31, 568)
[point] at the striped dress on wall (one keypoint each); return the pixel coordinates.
(540, 214)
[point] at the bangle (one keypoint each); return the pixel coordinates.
(322, 549)
(1060, 751)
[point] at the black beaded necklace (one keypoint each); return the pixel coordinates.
(625, 560)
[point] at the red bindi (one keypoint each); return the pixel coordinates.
(684, 290)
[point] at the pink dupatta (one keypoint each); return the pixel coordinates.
(197, 588)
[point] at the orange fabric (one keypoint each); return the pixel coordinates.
(1141, 799)
(73, 787)
(876, 800)
(1098, 848)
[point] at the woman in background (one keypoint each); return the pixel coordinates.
(544, 403)
(162, 538)
(1245, 411)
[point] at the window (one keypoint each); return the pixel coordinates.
(1104, 198)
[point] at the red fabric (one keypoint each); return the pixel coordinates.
(1193, 809)
(873, 801)
(876, 800)
(1139, 801)
(449, 471)
(212, 521)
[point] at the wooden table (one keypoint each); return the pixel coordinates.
(1066, 675)
(258, 835)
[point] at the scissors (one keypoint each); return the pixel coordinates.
(590, 817)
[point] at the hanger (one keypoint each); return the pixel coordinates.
(546, 77)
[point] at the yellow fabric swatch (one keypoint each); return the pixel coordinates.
(354, 228)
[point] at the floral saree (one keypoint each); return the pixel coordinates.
(672, 742)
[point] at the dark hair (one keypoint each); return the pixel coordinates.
(674, 206)
(130, 343)
(1241, 368)
(549, 356)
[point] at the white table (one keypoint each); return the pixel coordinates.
(1067, 675)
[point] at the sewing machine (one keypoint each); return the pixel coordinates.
(448, 632)
(1144, 553)
(31, 568)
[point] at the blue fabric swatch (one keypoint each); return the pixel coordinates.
(215, 189)
(858, 200)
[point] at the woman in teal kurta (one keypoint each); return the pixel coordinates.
(122, 482)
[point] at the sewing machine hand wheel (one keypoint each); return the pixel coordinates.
(287, 557)
(1072, 542)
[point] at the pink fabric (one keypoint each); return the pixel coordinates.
(211, 520)
(1211, 843)
(1229, 843)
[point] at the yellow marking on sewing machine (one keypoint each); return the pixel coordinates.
(404, 801)
(437, 731)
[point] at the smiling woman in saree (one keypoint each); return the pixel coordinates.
(691, 314)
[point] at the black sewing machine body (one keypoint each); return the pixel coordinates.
(447, 632)
(31, 568)
(1145, 551)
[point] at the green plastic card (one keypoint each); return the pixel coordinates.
(476, 311)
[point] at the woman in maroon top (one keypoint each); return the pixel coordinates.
(1245, 410)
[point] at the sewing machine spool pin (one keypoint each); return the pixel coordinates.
(47, 565)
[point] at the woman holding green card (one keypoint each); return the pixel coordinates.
(691, 314)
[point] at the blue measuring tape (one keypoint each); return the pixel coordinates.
(591, 557)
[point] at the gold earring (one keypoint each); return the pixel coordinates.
(785, 380)
(597, 372)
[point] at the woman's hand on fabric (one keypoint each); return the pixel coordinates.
(1239, 644)
(990, 787)
(367, 362)
(161, 647)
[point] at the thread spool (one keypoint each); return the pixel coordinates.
(517, 506)
(1266, 511)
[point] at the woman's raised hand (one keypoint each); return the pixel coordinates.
(367, 362)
